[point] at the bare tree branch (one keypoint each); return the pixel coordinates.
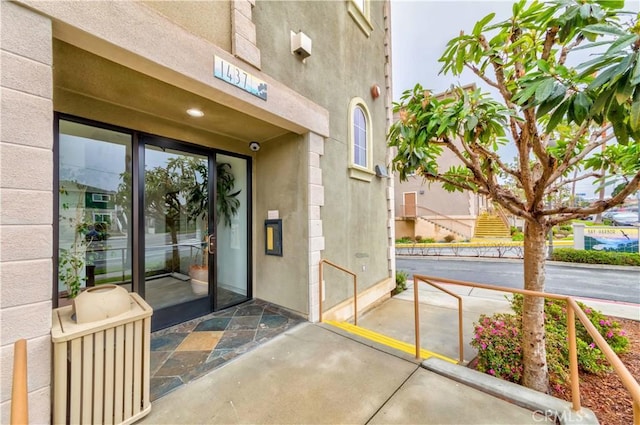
(549, 42)
(554, 188)
(566, 49)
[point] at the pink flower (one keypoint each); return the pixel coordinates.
(592, 346)
(622, 332)
(587, 310)
(491, 372)
(609, 334)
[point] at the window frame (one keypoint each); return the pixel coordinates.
(357, 171)
(360, 16)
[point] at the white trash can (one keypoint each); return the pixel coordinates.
(101, 368)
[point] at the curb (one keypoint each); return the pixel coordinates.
(545, 405)
(519, 260)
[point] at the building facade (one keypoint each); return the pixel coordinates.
(279, 163)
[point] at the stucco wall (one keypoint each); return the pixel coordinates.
(344, 64)
(26, 168)
(434, 198)
(280, 181)
(210, 20)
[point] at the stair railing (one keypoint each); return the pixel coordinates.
(446, 217)
(573, 311)
(19, 397)
(498, 208)
(355, 288)
(416, 309)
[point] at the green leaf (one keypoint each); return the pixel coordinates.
(622, 43)
(635, 75)
(477, 28)
(459, 61)
(581, 105)
(543, 65)
(544, 90)
(622, 135)
(585, 10)
(524, 95)
(557, 116)
(552, 101)
(472, 122)
(602, 78)
(601, 102)
(603, 29)
(624, 90)
(634, 115)
(612, 4)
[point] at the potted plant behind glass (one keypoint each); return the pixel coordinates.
(72, 258)
(227, 205)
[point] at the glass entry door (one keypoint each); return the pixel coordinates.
(195, 230)
(177, 281)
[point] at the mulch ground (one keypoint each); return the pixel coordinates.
(605, 394)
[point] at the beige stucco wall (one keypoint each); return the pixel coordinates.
(343, 65)
(281, 186)
(210, 20)
(26, 167)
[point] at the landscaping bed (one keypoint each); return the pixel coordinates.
(605, 394)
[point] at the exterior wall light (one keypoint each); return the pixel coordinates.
(196, 113)
(300, 45)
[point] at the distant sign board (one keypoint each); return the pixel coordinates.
(235, 76)
(617, 239)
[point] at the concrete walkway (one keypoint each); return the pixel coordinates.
(312, 374)
(315, 374)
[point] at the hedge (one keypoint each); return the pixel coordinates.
(595, 257)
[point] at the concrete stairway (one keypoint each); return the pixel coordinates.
(489, 226)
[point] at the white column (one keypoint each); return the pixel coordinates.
(315, 145)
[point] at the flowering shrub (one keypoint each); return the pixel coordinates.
(498, 341)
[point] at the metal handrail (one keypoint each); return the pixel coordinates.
(417, 278)
(355, 288)
(19, 397)
(573, 310)
(445, 216)
(502, 214)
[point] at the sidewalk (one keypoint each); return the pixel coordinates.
(314, 373)
(439, 315)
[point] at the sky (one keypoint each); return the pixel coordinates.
(420, 32)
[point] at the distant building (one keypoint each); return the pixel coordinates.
(425, 209)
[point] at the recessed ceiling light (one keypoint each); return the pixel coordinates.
(194, 112)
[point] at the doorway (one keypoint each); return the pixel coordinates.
(196, 232)
(164, 218)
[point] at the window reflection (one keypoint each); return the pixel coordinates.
(94, 207)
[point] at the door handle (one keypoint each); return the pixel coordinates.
(212, 244)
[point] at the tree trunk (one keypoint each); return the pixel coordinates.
(175, 254)
(533, 339)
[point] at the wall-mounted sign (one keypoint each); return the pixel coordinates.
(618, 239)
(237, 77)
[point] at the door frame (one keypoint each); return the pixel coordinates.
(164, 317)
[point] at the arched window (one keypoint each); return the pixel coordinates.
(360, 137)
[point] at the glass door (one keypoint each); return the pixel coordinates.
(232, 231)
(179, 248)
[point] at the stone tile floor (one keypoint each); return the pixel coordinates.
(187, 351)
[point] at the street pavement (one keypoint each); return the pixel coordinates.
(614, 283)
